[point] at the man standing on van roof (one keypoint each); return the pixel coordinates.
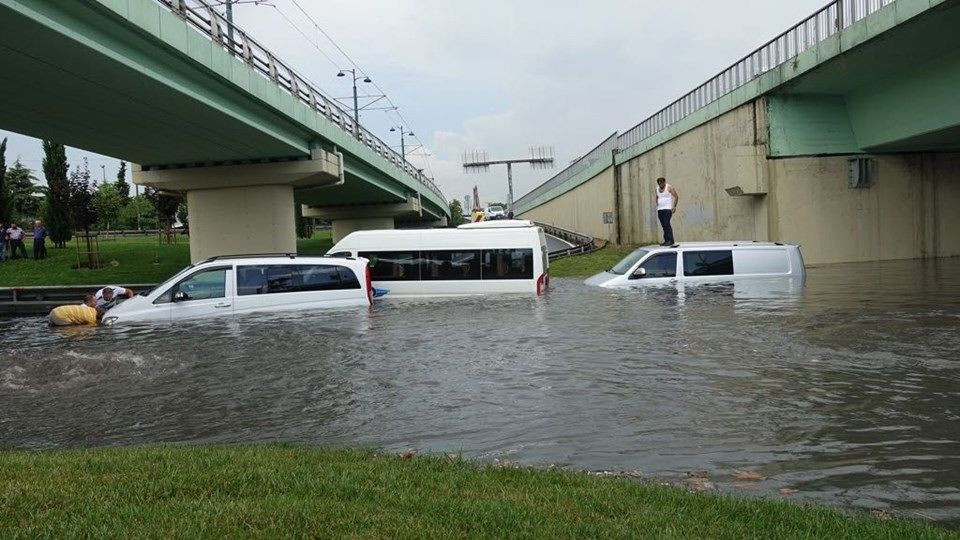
(667, 199)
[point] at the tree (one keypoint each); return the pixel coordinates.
(123, 188)
(107, 203)
(456, 213)
(81, 198)
(5, 207)
(138, 213)
(302, 223)
(24, 194)
(58, 219)
(183, 214)
(165, 204)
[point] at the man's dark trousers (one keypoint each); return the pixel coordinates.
(39, 248)
(15, 245)
(665, 216)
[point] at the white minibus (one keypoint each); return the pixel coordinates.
(504, 256)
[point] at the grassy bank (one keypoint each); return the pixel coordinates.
(591, 263)
(125, 261)
(296, 491)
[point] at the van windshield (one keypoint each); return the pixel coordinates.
(627, 263)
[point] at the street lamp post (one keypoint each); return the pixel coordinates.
(356, 105)
(403, 145)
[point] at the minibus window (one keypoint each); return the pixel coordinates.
(708, 263)
(450, 265)
(393, 265)
(507, 264)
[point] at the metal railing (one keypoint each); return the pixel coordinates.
(204, 18)
(602, 151)
(818, 27)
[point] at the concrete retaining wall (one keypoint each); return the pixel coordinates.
(908, 212)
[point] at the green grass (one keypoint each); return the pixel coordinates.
(591, 263)
(215, 491)
(125, 261)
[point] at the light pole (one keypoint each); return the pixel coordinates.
(356, 105)
(103, 170)
(403, 145)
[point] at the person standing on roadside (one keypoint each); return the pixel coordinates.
(39, 240)
(667, 199)
(15, 236)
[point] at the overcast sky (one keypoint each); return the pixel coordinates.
(502, 76)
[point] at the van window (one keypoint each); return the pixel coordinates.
(285, 278)
(319, 277)
(762, 261)
(627, 263)
(708, 263)
(449, 265)
(393, 265)
(507, 263)
(348, 279)
(662, 265)
(205, 284)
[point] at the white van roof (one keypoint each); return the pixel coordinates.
(498, 224)
(715, 245)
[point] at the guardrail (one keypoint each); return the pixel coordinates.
(29, 301)
(204, 18)
(816, 28)
(583, 243)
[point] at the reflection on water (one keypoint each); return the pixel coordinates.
(845, 389)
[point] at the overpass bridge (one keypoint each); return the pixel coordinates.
(841, 134)
(201, 109)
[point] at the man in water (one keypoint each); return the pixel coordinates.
(76, 315)
(108, 296)
(667, 199)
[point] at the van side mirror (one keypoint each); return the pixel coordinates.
(180, 296)
(640, 273)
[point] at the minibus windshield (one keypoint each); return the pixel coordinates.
(627, 263)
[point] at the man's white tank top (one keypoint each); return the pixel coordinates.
(664, 198)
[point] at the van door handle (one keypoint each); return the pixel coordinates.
(222, 305)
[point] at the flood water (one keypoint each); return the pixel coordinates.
(846, 390)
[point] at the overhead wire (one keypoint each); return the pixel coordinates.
(395, 108)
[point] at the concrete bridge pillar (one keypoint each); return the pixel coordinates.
(346, 219)
(246, 208)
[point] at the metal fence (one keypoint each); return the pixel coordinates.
(202, 16)
(601, 152)
(778, 51)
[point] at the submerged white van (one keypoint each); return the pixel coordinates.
(244, 284)
(503, 256)
(703, 262)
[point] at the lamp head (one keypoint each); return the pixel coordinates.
(367, 79)
(341, 74)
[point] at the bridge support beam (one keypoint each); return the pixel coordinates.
(247, 208)
(346, 219)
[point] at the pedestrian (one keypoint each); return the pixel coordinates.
(76, 315)
(108, 296)
(667, 199)
(39, 240)
(3, 242)
(15, 237)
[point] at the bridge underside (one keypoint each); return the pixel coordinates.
(894, 93)
(127, 79)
